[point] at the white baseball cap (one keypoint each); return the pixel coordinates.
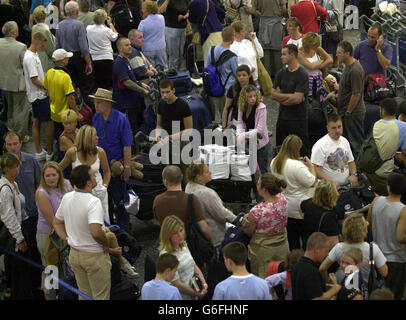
(61, 54)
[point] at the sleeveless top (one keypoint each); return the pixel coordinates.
(385, 216)
(95, 166)
(55, 199)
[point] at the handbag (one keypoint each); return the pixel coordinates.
(196, 36)
(375, 280)
(264, 80)
(200, 247)
(87, 114)
(83, 108)
(333, 31)
(6, 240)
(51, 253)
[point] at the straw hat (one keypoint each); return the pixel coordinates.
(103, 94)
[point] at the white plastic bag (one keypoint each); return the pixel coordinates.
(133, 204)
(218, 159)
(239, 168)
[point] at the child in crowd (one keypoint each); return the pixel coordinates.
(241, 285)
(67, 138)
(352, 284)
(382, 294)
(283, 278)
(159, 288)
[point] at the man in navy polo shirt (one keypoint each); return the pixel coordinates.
(374, 54)
(127, 92)
(114, 132)
(307, 281)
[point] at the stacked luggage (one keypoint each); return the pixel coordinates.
(230, 172)
(149, 187)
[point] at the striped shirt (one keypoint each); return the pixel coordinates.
(186, 268)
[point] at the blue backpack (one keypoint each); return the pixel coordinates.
(211, 77)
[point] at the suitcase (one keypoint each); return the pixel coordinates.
(200, 110)
(152, 172)
(147, 193)
(182, 82)
(232, 191)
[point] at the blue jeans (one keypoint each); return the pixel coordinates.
(175, 42)
(264, 157)
(157, 57)
(354, 132)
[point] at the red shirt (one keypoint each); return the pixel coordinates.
(304, 11)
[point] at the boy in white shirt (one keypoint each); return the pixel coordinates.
(241, 285)
(332, 155)
(38, 96)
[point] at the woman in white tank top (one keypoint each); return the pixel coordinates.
(313, 59)
(88, 153)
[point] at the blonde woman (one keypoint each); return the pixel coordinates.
(355, 229)
(300, 176)
(313, 59)
(266, 222)
(39, 16)
(173, 240)
(48, 198)
(216, 215)
(251, 124)
(87, 152)
(244, 48)
(100, 37)
(317, 213)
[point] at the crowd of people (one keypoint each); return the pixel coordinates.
(86, 79)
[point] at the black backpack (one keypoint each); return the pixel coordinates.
(131, 250)
(369, 159)
(200, 247)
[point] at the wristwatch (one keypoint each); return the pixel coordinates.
(379, 50)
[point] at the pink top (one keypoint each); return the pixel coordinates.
(55, 199)
(271, 217)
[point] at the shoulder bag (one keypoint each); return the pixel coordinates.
(200, 247)
(264, 80)
(196, 36)
(6, 240)
(375, 280)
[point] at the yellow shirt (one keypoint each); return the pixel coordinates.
(59, 85)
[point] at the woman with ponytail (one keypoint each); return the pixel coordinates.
(300, 175)
(266, 222)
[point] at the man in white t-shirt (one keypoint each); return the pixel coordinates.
(38, 97)
(332, 155)
(79, 220)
